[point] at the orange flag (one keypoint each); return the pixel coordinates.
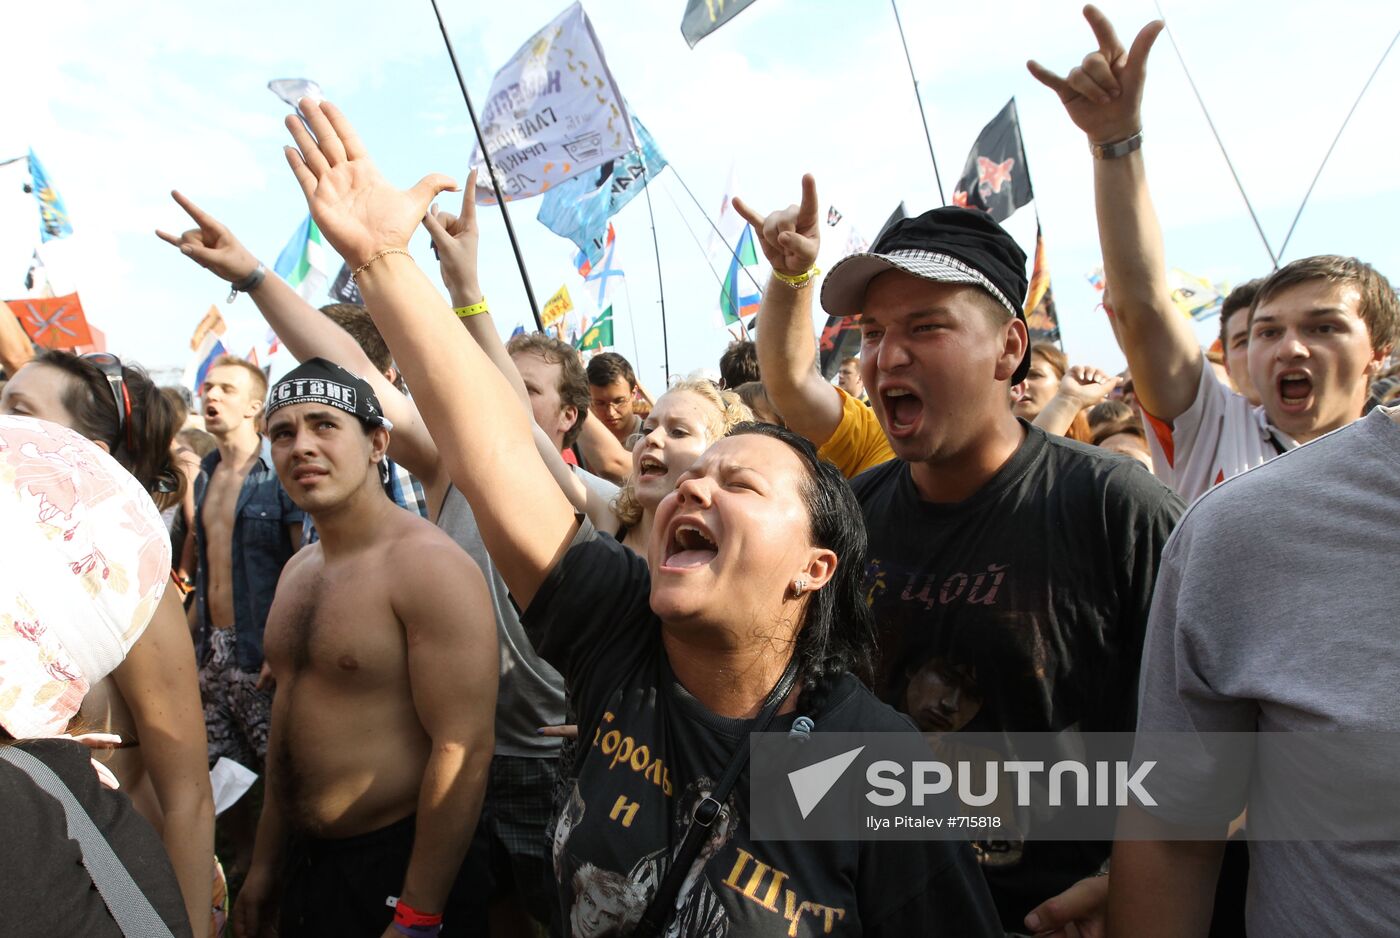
(213, 321)
(55, 322)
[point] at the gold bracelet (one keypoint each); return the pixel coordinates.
(476, 309)
(798, 281)
(361, 269)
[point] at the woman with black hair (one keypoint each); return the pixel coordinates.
(152, 700)
(752, 596)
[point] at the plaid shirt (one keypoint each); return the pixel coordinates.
(399, 484)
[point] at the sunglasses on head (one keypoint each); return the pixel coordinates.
(111, 368)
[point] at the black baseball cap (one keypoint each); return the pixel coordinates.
(318, 381)
(945, 245)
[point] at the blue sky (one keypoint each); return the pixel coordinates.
(124, 103)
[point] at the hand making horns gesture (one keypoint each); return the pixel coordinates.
(1103, 95)
(357, 210)
(789, 237)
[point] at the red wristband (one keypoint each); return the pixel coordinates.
(405, 914)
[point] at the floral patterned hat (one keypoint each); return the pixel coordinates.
(84, 559)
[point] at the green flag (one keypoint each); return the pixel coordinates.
(599, 334)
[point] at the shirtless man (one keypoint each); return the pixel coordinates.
(382, 642)
(246, 529)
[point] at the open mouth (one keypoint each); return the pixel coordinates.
(1294, 390)
(210, 412)
(690, 545)
(649, 467)
(903, 408)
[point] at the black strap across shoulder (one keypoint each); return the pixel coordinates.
(663, 904)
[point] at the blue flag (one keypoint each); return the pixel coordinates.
(579, 208)
(53, 217)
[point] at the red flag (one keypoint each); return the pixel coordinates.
(55, 322)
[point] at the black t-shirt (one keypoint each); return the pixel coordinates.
(1020, 609)
(648, 751)
(44, 888)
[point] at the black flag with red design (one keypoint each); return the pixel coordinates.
(995, 178)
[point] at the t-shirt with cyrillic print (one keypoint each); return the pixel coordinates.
(648, 751)
(1020, 609)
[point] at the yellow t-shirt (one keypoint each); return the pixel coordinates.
(859, 442)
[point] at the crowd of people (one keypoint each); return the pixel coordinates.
(493, 623)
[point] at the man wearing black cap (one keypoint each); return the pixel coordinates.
(1020, 561)
(386, 675)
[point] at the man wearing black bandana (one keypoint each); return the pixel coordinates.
(1021, 562)
(382, 726)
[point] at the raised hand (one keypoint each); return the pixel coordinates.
(1086, 385)
(211, 245)
(1103, 95)
(789, 237)
(357, 210)
(456, 238)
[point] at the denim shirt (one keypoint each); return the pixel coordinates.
(261, 546)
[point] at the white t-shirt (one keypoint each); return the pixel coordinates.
(1219, 436)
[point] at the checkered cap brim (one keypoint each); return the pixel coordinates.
(843, 290)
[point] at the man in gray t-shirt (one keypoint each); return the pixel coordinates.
(1275, 611)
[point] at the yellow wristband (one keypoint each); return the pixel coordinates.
(476, 309)
(798, 281)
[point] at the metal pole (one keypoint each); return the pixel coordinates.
(920, 98)
(1273, 258)
(660, 288)
(1340, 129)
(491, 172)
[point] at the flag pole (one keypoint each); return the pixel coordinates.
(920, 98)
(491, 172)
(695, 238)
(660, 287)
(715, 228)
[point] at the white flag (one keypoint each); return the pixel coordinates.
(553, 112)
(292, 90)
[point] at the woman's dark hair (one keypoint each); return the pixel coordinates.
(143, 447)
(838, 634)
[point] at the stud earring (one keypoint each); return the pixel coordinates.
(799, 586)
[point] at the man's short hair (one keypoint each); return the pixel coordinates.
(1242, 297)
(259, 379)
(356, 321)
(573, 383)
(606, 367)
(850, 360)
(739, 364)
(1379, 309)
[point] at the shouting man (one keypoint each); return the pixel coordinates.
(383, 646)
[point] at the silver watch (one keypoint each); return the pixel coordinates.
(1112, 151)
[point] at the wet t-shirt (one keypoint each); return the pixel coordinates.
(1020, 609)
(649, 751)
